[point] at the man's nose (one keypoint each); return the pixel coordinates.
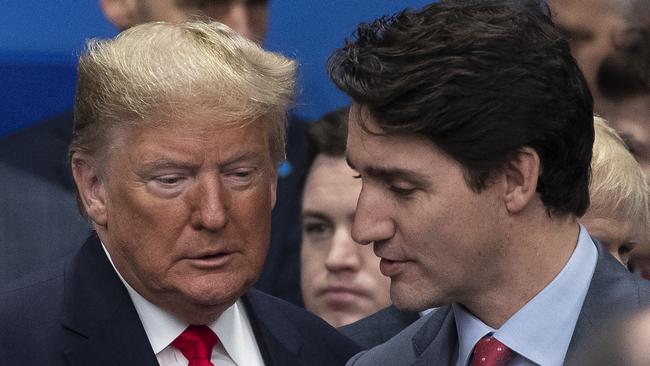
(343, 254)
(372, 220)
(210, 205)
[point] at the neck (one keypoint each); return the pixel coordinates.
(537, 254)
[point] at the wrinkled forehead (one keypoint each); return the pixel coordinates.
(192, 129)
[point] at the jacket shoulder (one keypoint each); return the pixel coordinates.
(396, 351)
(379, 327)
(321, 343)
(31, 309)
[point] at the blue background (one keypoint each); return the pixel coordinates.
(40, 41)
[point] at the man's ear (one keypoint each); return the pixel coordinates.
(90, 186)
(274, 189)
(521, 174)
(122, 13)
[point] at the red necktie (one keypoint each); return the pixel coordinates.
(196, 344)
(490, 352)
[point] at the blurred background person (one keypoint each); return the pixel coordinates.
(247, 17)
(624, 79)
(610, 39)
(340, 279)
(591, 27)
(618, 215)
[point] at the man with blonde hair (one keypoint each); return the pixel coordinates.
(177, 136)
(618, 215)
(38, 197)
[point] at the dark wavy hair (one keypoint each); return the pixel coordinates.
(481, 79)
(327, 136)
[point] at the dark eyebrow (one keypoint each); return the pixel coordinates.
(390, 173)
(387, 173)
(315, 214)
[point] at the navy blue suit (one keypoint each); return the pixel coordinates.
(40, 222)
(78, 313)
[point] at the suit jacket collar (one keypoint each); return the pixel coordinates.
(104, 325)
(610, 290)
(278, 339)
(394, 321)
(437, 340)
(105, 328)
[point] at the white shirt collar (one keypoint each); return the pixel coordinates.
(233, 327)
(541, 331)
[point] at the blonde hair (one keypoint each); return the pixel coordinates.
(618, 185)
(158, 72)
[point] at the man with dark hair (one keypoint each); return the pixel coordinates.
(472, 129)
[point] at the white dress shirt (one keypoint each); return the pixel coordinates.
(237, 345)
(541, 331)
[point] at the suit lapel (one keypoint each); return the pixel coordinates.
(436, 341)
(395, 321)
(103, 324)
(279, 341)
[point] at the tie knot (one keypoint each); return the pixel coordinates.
(490, 352)
(196, 342)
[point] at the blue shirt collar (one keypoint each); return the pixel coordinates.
(541, 331)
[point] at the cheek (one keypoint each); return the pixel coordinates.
(311, 266)
(250, 219)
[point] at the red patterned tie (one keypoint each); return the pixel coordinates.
(196, 344)
(490, 352)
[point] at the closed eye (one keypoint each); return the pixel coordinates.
(402, 191)
(169, 180)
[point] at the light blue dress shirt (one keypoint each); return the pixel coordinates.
(541, 331)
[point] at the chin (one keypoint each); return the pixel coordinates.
(408, 300)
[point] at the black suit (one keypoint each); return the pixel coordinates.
(40, 222)
(379, 327)
(78, 313)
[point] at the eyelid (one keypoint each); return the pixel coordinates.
(161, 178)
(402, 191)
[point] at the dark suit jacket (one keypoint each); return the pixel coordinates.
(433, 340)
(78, 313)
(40, 222)
(379, 327)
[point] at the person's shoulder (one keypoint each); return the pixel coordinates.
(40, 151)
(299, 318)
(612, 277)
(29, 293)
(30, 307)
(398, 350)
(319, 339)
(379, 327)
